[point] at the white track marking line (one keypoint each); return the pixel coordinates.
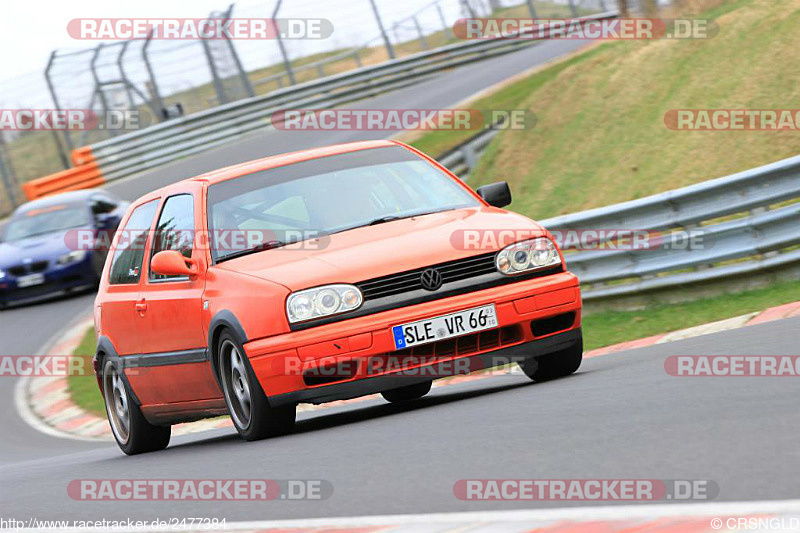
(723, 510)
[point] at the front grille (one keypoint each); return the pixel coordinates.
(39, 266)
(17, 271)
(408, 281)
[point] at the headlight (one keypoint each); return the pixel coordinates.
(72, 257)
(527, 255)
(2, 273)
(322, 301)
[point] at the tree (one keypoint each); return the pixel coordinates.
(623, 8)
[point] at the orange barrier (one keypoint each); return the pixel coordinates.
(81, 177)
(83, 155)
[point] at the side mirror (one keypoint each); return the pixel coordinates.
(496, 194)
(173, 263)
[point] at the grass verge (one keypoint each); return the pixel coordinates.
(83, 389)
(604, 328)
(601, 137)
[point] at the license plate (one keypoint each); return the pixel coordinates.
(30, 280)
(444, 327)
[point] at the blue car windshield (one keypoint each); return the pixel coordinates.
(49, 219)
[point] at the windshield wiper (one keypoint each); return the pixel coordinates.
(269, 245)
(388, 218)
(392, 218)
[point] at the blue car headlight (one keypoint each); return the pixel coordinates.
(73, 257)
(2, 274)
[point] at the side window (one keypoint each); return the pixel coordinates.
(175, 229)
(126, 265)
(102, 205)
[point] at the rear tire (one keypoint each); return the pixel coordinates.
(407, 393)
(252, 415)
(133, 433)
(554, 365)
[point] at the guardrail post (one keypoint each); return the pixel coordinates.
(470, 157)
(286, 63)
(155, 96)
(61, 154)
(386, 41)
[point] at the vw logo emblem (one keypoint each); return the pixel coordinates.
(431, 279)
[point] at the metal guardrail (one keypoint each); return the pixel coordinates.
(134, 152)
(763, 233)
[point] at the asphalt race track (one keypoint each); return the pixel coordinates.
(620, 417)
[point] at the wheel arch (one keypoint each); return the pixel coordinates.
(223, 320)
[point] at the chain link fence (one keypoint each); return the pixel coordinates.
(163, 79)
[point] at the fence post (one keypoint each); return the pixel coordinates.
(422, 40)
(7, 173)
(572, 8)
(61, 154)
(220, 90)
(386, 41)
(531, 8)
(248, 87)
(286, 63)
(155, 96)
(445, 27)
(99, 86)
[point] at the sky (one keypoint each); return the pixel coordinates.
(31, 29)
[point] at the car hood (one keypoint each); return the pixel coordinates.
(374, 251)
(37, 248)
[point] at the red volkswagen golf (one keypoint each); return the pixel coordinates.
(318, 276)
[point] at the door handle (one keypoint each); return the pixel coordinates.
(141, 307)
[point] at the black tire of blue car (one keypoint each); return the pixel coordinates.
(133, 433)
(407, 393)
(252, 415)
(554, 365)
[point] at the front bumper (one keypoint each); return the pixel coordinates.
(56, 279)
(535, 316)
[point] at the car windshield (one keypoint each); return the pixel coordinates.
(49, 219)
(329, 195)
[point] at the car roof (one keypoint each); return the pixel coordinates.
(257, 165)
(280, 160)
(71, 197)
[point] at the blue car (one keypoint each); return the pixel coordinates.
(56, 244)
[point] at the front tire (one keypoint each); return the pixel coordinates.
(133, 433)
(554, 365)
(407, 393)
(252, 415)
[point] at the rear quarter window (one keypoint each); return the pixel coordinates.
(126, 265)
